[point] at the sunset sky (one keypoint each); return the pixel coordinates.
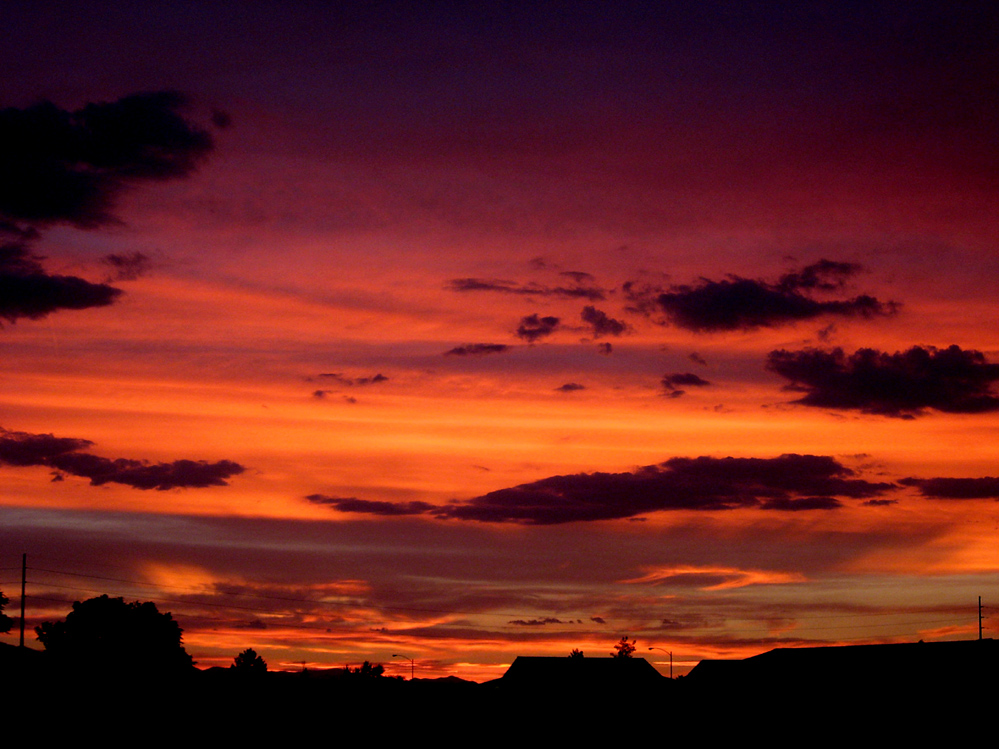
(465, 331)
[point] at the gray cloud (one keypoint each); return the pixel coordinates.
(673, 383)
(126, 266)
(533, 327)
(602, 324)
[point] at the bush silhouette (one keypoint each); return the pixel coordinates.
(106, 634)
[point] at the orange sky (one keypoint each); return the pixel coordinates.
(421, 336)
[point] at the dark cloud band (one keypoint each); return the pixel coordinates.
(746, 304)
(70, 166)
(28, 291)
(786, 483)
(370, 507)
(986, 487)
(65, 455)
(903, 384)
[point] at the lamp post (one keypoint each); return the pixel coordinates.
(412, 667)
(670, 654)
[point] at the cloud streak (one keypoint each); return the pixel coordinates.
(370, 507)
(477, 349)
(342, 379)
(592, 293)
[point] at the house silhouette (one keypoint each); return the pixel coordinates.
(582, 674)
(894, 675)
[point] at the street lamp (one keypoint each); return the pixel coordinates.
(412, 667)
(670, 654)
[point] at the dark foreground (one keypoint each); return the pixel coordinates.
(783, 705)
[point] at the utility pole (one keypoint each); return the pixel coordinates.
(979, 618)
(24, 575)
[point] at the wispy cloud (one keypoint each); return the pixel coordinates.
(592, 293)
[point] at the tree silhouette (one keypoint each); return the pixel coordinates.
(107, 634)
(576, 653)
(624, 648)
(367, 670)
(5, 621)
(249, 662)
